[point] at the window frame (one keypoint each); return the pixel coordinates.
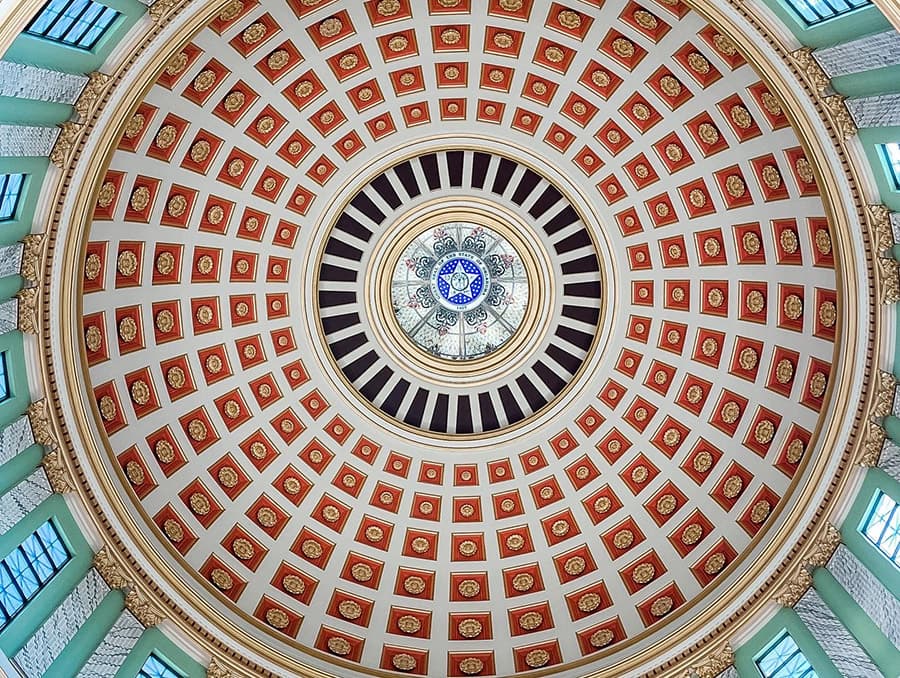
(168, 670)
(772, 646)
(56, 12)
(5, 387)
(802, 8)
(890, 153)
(863, 527)
(20, 552)
(5, 181)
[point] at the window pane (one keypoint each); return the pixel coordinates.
(882, 526)
(892, 155)
(816, 11)
(78, 23)
(784, 660)
(10, 190)
(4, 379)
(155, 667)
(28, 568)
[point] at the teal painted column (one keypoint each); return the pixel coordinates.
(891, 426)
(857, 622)
(69, 662)
(20, 467)
(784, 620)
(39, 608)
(154, 641)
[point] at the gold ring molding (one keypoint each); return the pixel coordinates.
(860, 331)
(526, 337)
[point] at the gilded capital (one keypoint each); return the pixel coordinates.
(41, 426)
(712, 665)
(109, 567)
(144, 610)
(216, 670)
(57, 473)
(90, 96)
(873, 442)
(885, 389)
(63, 149)
(806, 63)
(887, 273)
(836, 105)
(32, 257)
(28, 310)
(879, 220)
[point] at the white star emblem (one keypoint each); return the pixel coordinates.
(460, 281)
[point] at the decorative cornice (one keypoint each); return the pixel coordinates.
(883, 402)
(109, 567)
(90, 96)
(836, 105)
(144, 609)
(816, 554)
(28, 310)
(32, 257)
(216, 670)
(712, 665)
(887, 276)
(873, 442)
(821, 550)
(64, 148)
(161, 9)
(57, 473)
(879, 218)
(812, 71)
(41, 426)
(160, 12)
(793, 590)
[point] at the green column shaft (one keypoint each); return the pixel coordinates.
(870, 638)
(892, 427)
(784, 619)
(88, 637)
(19, 467)
(39, 608)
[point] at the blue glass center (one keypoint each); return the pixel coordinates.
(460, 281)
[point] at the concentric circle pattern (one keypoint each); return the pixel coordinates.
(333, 488)
(557, 323)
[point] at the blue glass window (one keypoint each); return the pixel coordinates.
(10, 190)
(155, 667)
(882, 526)
(816, 11)
(4, 379)
(77, 23)
(892, 156)
(784, 659)
(28, 568)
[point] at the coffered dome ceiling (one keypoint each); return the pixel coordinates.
(459, 338)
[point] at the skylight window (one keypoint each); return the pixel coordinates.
(816, 11)
(785, 660)
(882, 526)
(10, 192)
(77, 23)
(28, 569)
(155, 667)
(892, 156)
